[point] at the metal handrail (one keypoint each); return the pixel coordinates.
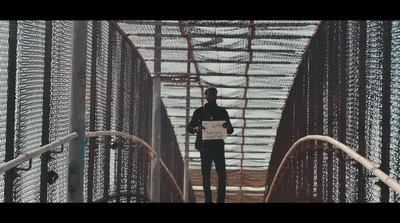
(151, 151)
(35, 152)
(38, 151)
(357, 157)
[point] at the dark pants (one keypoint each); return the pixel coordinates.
(214, 151)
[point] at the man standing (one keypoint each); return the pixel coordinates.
(211, 150)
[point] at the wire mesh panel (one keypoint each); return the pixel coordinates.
(29, 104)
(373, 101)
(37, 111)
(347, 88)
(395, 105)
(61, 46)
(4, 30)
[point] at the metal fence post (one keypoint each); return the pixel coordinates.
(76, 156)
(156, 121)
(11, 96)
(186, 180)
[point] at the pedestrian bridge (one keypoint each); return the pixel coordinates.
(96, 111)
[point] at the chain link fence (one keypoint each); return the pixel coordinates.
(347, 87)
(35, 69)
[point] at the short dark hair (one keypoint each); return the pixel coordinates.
(211, 88)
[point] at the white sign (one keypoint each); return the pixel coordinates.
(214, 130)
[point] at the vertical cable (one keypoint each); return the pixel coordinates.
(386, 82)
(120, 111)
(46, 110)
(362, 106)
(341, 26)
(106, 160)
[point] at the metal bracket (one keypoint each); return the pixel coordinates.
(330, 150)
(318, 146)
(367, 175)
(25, 169)
(344, 157)
(60, 151)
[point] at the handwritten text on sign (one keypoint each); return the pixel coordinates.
(214, 130)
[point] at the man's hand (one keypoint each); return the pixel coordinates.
(200, 128)
(226, 125)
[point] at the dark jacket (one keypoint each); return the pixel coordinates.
(208, 113)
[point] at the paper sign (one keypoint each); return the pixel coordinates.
(214, 130)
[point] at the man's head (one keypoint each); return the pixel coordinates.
(211, 95)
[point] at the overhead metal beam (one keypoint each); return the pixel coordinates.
(273, 23)
(267, 98)
(267, 108)
(239, 87)
(225, 61)
(265, 136)
(280, 76)
(235, 165)
(239, 127)
(233, 118)
(220, 49)
(266, 36)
